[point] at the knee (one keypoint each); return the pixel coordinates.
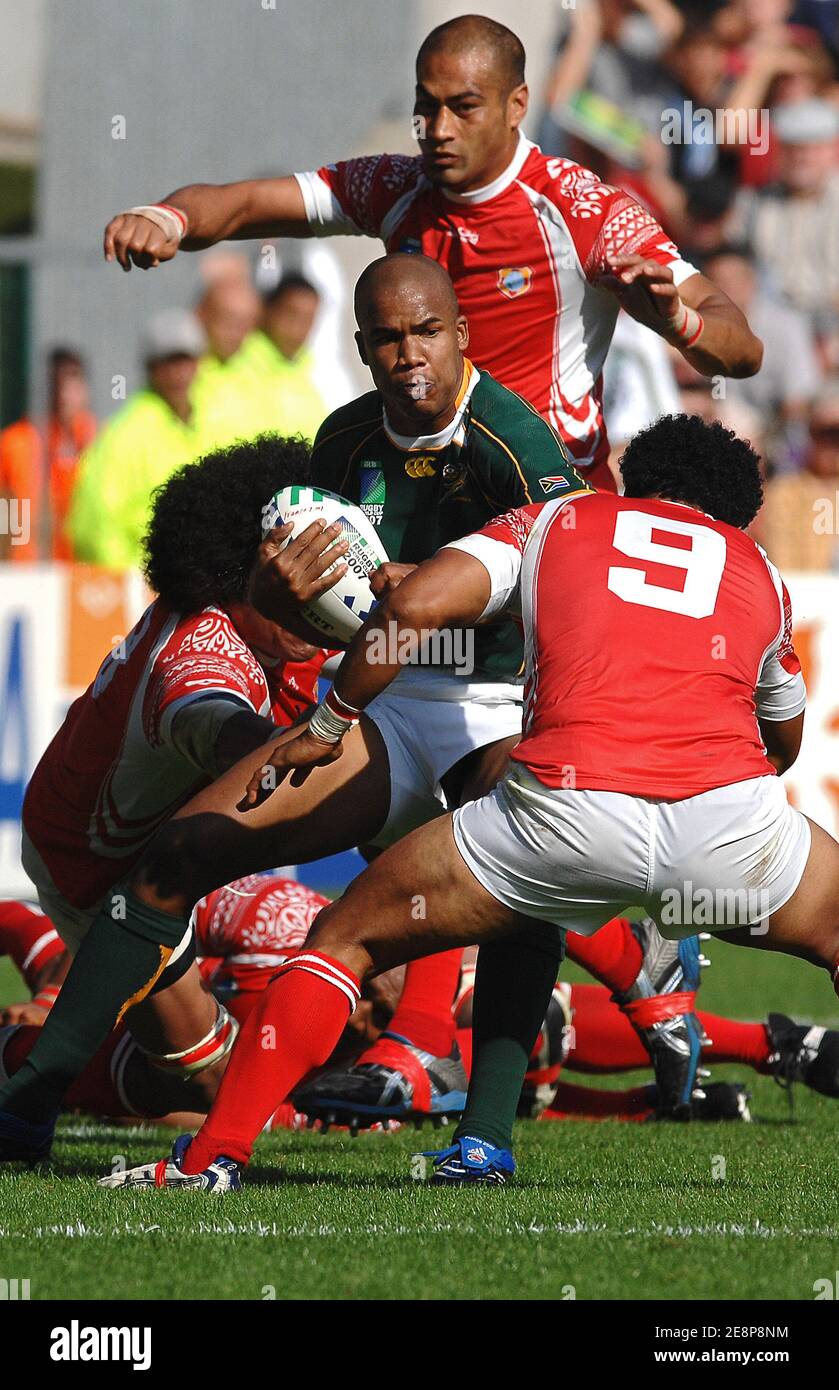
(172, 865)
(334, 935)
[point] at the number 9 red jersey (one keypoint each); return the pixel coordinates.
(654, 637)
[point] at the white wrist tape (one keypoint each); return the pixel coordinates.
(688, 328)
(332, 718)
(172, 222)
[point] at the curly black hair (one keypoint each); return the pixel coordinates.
(206, 522)
(683, 459)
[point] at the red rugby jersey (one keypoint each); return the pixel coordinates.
(117, 768)
(526, 255)
(654, 637)
(246, 930)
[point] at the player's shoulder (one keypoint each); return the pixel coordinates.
(205, 650)
(354, 419)
(506, 429)
(393, 171)
(367, 186)
(572, 187)
(503, 416)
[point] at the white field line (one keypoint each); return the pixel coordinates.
(757, 1230)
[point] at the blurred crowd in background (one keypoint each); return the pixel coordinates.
(723, 118)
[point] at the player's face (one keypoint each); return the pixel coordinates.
(413, 346)
(466, 124)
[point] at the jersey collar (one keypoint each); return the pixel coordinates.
(492, 190)
(444, 437)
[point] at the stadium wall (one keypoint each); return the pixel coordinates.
(58, 621)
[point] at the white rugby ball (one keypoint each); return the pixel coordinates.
(340, 612)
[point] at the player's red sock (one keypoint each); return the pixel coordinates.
(293, 1028)
(585, 1103)
(29, 938)
(604, 1039)
(424, 1013)
(612, 955)
(732, 1041)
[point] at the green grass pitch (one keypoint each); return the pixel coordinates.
(599, 1211)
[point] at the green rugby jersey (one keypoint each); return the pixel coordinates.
(422, 493)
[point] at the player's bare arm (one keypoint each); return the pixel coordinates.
(45, 987)
(200, 214)
(696, 317)
(451, 589)
(782, 740)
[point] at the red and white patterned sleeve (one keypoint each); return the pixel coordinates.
(605, 222)
(780, 692)
(354, 197)
(203, 676)
(253, 925)
(500, 547)
(628, 228)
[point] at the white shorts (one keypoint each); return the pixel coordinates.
(72, 923)
(726, 858)
(428, 724)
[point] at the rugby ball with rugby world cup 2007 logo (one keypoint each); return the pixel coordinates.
(339, 612)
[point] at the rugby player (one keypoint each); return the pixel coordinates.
(683, 796)
(440, 738)
(201, 679)
(541, 253)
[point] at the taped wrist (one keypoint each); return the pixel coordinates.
(333, 718)
(172, 222)
(687, 329)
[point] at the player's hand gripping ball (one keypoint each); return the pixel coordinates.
(340, 611)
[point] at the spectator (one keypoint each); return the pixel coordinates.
(39, 459)
(155, 431)
(775, 63)
(697, 62)
(790, 377)
(794, 225)
(611, 48)
(278, 357)
(231, 402)
(798, 523)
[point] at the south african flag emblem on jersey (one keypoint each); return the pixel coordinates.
(372, 490)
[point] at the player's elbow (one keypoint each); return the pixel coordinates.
(782, 741)
(411, 611)
(747, 358)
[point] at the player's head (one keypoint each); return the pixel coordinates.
(470, 99)
(412, 335)
(206, 528)
(682, 459)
